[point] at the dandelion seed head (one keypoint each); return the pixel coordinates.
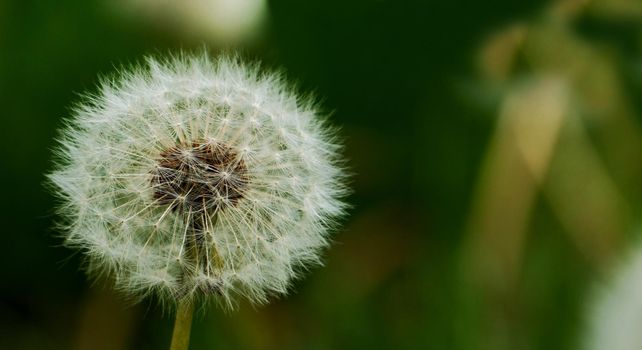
(615, 311)
(198, 178)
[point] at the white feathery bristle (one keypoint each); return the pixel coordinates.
(191, 177)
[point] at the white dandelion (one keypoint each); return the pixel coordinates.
(195, 178)
(615, 314)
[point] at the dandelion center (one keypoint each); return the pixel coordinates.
(200, 177)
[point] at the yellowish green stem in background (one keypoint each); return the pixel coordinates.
(182, 326)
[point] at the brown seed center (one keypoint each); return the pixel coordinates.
(200, 177)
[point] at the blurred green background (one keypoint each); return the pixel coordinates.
(496, 147)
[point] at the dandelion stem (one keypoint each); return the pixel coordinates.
(182, 325)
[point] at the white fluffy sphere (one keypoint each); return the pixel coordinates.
(192, 177)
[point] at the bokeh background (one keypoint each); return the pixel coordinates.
(496, 147)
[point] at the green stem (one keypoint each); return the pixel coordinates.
(182, 325)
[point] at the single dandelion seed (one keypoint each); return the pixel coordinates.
(196, 179)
